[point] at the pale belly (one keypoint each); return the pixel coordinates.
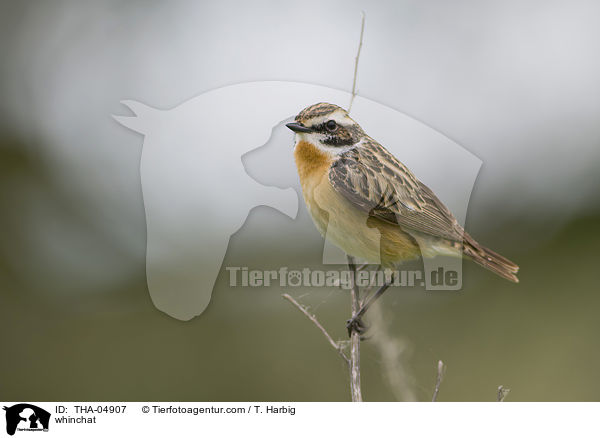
(353, 231)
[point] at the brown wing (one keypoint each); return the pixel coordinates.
(375, 181)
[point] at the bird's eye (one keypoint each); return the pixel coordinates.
(331, 125)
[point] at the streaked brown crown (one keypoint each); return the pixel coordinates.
(316, 110)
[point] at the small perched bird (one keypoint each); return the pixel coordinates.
(352, 184)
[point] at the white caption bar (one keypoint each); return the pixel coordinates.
(150, 419)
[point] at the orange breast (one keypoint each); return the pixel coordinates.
(346, 225)
(311, 161)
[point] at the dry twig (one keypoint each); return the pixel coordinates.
(354, 365)
(441, 370)
(362, 31)
(316, 322)
(502, 393)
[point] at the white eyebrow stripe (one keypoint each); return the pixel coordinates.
(339, 116)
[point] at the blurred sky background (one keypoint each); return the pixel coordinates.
(516, 83)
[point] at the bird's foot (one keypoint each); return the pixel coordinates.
(357, 325)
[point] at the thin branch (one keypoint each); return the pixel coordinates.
(441, 370)
(502, 393)
(354, 364)
(362, 31)
(316, 322)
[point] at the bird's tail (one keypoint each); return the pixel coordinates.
(490, 259)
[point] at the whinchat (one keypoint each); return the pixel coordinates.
(351, 184)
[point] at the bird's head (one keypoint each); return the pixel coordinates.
(328, 127)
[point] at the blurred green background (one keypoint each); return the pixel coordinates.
(540, 337)
(76, 319)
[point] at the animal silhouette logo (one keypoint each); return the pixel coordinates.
(24, 416)
(197, 191)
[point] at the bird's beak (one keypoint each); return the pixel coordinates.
(298, 127)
